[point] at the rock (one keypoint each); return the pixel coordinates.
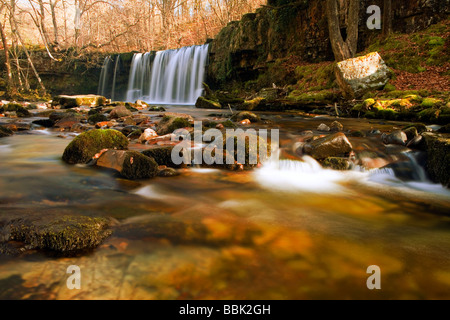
(420, 127)
(270, 94)
(340, 164)
(68, 102)
(129, 129)
(336, 127)
(168, 173)
(68, 121)
(129, 121)
(96, 118)
(415, 143)
(245, 122)
(147, 135)
(438, 154)
(5, 132)
(334, 145)
(120, 112)
(104, 125)
(253, 104)
(411, 133)
(56, 116)
(445, 129)
(171, 123)
(46, 123)
(324, 128)
(16, 108)
(84, 147)
(62, 234)
(397, 137)
(244, 115)
(203, 103)
(141, 103)
(162, 155)
(130, 164)
(358, 75)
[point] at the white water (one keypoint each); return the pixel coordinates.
(168, 77)
(108, 77)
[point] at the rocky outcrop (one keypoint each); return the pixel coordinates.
(67, 102)
(244, 50)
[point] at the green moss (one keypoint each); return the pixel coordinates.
(420, 127)
(431, 103)
(322, 97)
(340, 164)
(229, 124)
(429, 115)
(252, 104)
(368, 103)
(84, 147)
(96, 118)
(162, 155)
(387, 114)
(17, 108)
(169, 124)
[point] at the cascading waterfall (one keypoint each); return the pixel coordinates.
(108, 77)
(168, 77)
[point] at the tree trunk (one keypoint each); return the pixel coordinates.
(10, 89)
(55, 24)
(387, 18)
(343, 50)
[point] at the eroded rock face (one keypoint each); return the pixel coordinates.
(358, 75)
(334, 145)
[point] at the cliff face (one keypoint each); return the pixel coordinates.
(245, 50)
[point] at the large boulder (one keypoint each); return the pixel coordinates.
(358, 75)
(20, 111)
(334, 145)
(130, 164)
(84, 147)
(68, 102)
(162, 155)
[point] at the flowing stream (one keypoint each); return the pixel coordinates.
(288, 230)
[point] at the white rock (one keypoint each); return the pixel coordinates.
(148, 134)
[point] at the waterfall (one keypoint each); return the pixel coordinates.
(168, 77)
(108, 77)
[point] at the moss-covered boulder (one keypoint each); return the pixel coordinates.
(62, 234)
(340, 164)
(20, 111)
(129, 164)
(84, 147)
(169, 124)
(254, 104)
(5, 132)
(438, 158)
(203, 103)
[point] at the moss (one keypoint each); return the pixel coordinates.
(389, 87)
(340, 164)
(431, 103)
(438, 163)
(135, 134)
(368, 103)
(253, 104)
(246, 115)
(17, 108)
(323, 97)
(96, 118)
(387, 114)
(420, 127)
(203, 103)
(429, 115)
(229, 124)
(169, 124)
(66, 234)
(138, 166)
(84, 147)
(162, 155)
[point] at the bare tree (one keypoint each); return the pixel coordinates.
(343, 49)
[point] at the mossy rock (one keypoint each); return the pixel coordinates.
(387, 114)
(253, 104)
(138, 166)
(169, 124)
(252, 144)
(203, 103)
(431, 103)
(229, 124)
(84, 147)
(63, 234)
(17, 108)
(438, 154)
(420, 127)
(429, 115)
(339, 164)
(96, 118)
(5, 132)
(162, 156)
